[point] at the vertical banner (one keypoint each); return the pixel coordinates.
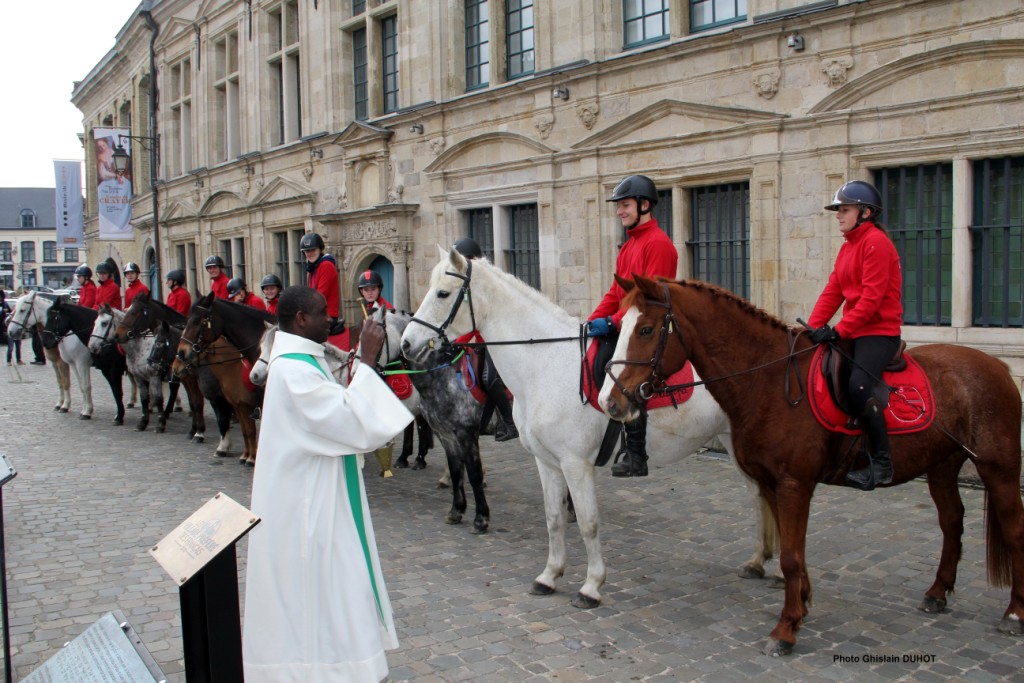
(113, 190)
(70, 212)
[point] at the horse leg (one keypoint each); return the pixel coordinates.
(453, 449)
(53, 356)
(792, 507)
(222, 409)
(945, 493)
(579, 477)
(143, 422)
(196, 404)
(165, 414)
(554, 487)
(426, 437)
(134, 397)
(407, 438)
(82, 370)
(248, 427)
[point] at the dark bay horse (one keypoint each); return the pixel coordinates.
(748, 354)
(69, 326)
(143, 318)
(219, 335)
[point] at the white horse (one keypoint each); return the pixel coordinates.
(338, 361)
(563, 435)
(31, 310)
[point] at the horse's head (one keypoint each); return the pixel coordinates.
(650, 348)
(161, 355)
(261, 367)
(103, 329)
(26, 313)
(201, 329)
(137, 319)
(442, 310)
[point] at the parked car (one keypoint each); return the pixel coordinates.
(71, 292)
(38, 288)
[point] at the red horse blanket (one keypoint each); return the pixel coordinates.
(684, 376)
(911, 406)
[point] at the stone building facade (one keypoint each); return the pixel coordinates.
(393, 126)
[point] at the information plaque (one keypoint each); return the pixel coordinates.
(109, 651)
(201, 537)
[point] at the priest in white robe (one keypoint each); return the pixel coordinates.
(316, 606)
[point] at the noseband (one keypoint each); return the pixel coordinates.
(463, 295)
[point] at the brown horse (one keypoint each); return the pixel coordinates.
(749, 355)
(202, 345)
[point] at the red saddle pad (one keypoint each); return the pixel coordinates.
(684, 376)
(911, 405)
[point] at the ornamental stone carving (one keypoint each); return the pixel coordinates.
(835, 70)
(767, 84)
(544, 123)
(370, 231)
(588, 114)
(437, 146)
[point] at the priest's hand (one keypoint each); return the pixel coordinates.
(371, 341)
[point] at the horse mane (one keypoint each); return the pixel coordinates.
(532, 296)
(720, 293)
(263, 316)
(166, 312)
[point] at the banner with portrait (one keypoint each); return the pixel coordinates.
(113, 189)
(70, 211)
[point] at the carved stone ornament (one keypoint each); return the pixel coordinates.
(437, 146)
(371, 231)
(588, 114)
(767, 84)
(307, 173)
(395, 193)
(544, 123)
(835, 70)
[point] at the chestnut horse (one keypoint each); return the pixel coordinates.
(749, 354)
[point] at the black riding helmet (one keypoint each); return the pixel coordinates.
(132, 267)
(85, 271)
(104, 268)
(177, 276)
(371, 278)
(858, 193)
(271, 281)
(468, 247)
(235, 285)
(214, 261)
(636, 187)
(311, 240)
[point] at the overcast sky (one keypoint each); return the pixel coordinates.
(45, 46)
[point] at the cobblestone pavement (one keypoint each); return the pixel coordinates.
(90, 499)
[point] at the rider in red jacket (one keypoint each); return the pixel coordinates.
(218, 280)
(178, 297)
(370, 286)
(87, 288)
(271, 286)
(132, 285)
(109, 292)
(322, 276)
(867, 277)
(240, 294)
(647, 251)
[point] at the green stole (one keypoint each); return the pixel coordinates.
(355, 494)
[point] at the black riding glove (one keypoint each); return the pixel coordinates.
(824, 334)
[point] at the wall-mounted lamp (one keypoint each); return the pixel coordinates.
(560, 93)
(198, 183)
(416, 128)
(316, 153)
(795, 42)
(250, 170)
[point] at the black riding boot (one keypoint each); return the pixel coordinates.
(505, 430)
(879, 469)
(633, 461)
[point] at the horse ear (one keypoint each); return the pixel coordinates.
(442, 252)
(627, 285)
(268, 325)
(457, 260)
(646, 285)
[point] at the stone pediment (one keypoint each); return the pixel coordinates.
(179, 210)
(172, 29)
(488, 149)
(672, 118)
(221, 203)
(281, 189)
(925, 76)
(360, 133)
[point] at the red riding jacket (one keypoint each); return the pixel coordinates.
(108, 293)
(648, 251)
(324, 279)
(132, 290)
(219, 286)
(87, 295)
(180, 300)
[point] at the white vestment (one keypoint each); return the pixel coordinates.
(313, 611)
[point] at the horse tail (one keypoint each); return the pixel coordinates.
(997, 553)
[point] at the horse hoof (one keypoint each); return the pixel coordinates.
(539, 588)
(582, 601)
(129, 405)
(779, 648)
(222, 454)
(481, 526)
(751, 571)
(401, 464)
(776, 582)
(250, 463)
(57, 409)
(161, 429)
(64, 410)
(117, 422)
(85, 417)
(198, 439)
(442, 485)
(453, 518)
(243, 460)
(140, 427)
(419, 465)
(932, 605)
(1011, 625)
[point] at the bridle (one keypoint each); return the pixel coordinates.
(105, 339)
(31, 312)
(133, 322)
(463, 296)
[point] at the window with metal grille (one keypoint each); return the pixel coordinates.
(523, 255)
(519, 49)
(281, 257)
(478, 50)
(705, 14)
(644, 21)
(918, 214)
(663, 211)
(721, 236)
(360, 83)
(480, 226)
(49, 252)
(997, 243)
(389, 73)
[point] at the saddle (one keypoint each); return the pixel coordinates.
(590, 386)
(469, 369)
(905, 391)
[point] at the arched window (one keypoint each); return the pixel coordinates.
(28, 218)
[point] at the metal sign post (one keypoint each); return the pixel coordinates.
(7, 472)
